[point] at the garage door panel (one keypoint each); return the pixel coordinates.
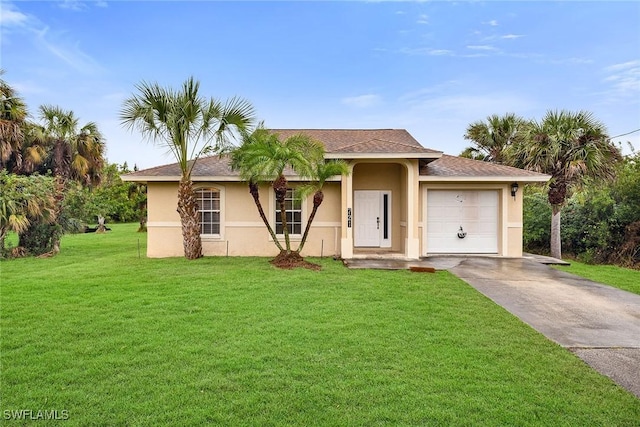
(475, 211)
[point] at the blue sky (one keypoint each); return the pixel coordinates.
(429, 67)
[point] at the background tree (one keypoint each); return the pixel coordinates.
(113, 199)
(189, 126)
(492, 137)
(13, 113)
(73, 153)
(569, 146)
(23, 200)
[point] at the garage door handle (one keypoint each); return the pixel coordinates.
(378, 222)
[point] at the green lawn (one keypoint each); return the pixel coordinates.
(117, 339)
(619, 277)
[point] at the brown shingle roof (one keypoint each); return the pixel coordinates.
(362, 140)
(213, 166)
(377, 142)
(460, 167)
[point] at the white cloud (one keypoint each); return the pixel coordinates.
(511, 36)
(624, 78)
(362, 101)
(426, 51)
(11, 17)
(72, 5)
(69, 53)
(492, 23)
(56, 43)
(423, 19)
(482, 47)
(624, 66)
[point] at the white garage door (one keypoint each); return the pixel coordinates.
(462, 222)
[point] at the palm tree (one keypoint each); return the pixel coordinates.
(569, 146)
(189, 126)
(23, 200)
(74, 153)
(493, 137)
(33, 151)
(13, 113)
(264, 157)
(321, 172)
(70, 152)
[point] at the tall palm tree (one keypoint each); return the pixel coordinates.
(13, 113)
(493, 137)
(569, 146)
(70, 152)
(189, 126)
(75, 152)
(264, 157)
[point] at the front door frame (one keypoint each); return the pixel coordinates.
(382, 220)
(410, 196)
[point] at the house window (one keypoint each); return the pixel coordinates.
(293, 209)
(209, 210)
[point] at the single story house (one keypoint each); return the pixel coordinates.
(400, 199)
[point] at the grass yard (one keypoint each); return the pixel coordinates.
(619, 277)
(117, 339)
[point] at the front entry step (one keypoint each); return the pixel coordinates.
(388, 264)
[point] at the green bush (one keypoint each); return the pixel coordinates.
(537, 221)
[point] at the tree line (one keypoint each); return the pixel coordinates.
(54, 177)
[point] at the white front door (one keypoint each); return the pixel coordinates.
(372, 218)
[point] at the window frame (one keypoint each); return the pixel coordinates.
(199, 198)
(291, 195)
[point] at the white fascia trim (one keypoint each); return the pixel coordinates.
(211, 179)
(175, 178)
(150, 178)
(543, 178)
(349, 156)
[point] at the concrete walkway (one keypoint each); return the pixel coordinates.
(599, 323)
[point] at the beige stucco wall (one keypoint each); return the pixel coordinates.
(509, 214)
(242, 232)
(515, 225)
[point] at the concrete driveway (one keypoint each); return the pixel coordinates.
(598, 323)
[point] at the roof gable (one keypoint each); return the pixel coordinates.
(343, 142)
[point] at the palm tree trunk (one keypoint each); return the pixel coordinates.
(318, 197)
(556, 244)
(3, 234)
(60, 187)
(280, 188)
(188, 211)
(253, 189)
